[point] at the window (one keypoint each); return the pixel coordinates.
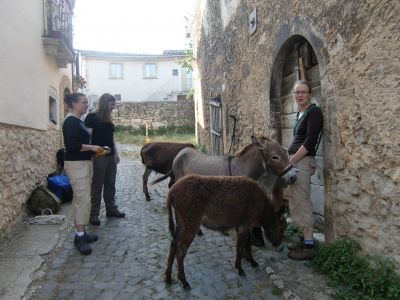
(52, 110)
(150, 71)
(175, 72)
(117, 97)
(116, 71)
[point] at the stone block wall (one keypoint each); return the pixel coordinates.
(155, 114)
(26, 157)
(356, 44)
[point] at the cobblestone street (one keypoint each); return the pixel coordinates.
(129, 260)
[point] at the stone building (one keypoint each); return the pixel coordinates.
(35, 74)
(155, 114)
(248, 55)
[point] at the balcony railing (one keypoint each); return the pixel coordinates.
(57, 31)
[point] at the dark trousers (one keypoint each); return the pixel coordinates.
(104, 175)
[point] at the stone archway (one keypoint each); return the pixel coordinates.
(296, 59)
(65, 89)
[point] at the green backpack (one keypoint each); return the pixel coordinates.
(41, 199)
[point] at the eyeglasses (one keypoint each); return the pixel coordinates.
(302, 93)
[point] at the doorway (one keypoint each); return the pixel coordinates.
(297, 60)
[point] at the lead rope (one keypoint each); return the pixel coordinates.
(46, 219)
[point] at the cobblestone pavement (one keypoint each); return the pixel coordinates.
(129, 260)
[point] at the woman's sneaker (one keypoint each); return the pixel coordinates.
(307, 252)
(82, 245)
(299, 244)
(115, 214)
(95, 221)
(91, 238)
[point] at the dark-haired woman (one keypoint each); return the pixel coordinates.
(79, 168)
(101, 127)
(302, 152)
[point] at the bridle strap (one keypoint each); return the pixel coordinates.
(287, 169)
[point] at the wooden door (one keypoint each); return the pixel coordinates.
(216, 126)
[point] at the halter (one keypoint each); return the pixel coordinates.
(287, 169)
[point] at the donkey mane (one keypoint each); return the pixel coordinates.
(244, 150)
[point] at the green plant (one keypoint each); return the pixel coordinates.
(202, 148)
(355, 276)
(277, 291)
(171, 133)
(80, 81)
(187, 61)
(190, 95)
(291, 229)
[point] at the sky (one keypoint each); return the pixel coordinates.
(131, 26)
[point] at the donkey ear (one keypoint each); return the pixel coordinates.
(273, 134)
(255, 141)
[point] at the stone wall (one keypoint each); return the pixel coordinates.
(356, 44)
(156, 114)
(26, 157)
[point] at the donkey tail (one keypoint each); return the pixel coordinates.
(162, 178)
(170, 217)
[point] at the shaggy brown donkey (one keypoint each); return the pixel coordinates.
(218, 203)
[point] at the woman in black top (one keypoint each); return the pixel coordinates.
(101, 127)
(302, 152)
(78, 166)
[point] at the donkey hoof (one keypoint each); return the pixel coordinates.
(279, 248)
(242, 273)
(187, 286)
(200, 232)
(168, 279)
(148, 198)
(254, 264)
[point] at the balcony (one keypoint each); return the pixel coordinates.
(57, 31)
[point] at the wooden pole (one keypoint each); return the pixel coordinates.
(301, 69)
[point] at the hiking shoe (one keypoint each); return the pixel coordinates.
(82, 246)
(95, 221)
(256, 237)
(115, 214)
(91, 238)
(305, 253)
(299, 244)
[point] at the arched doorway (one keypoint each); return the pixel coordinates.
(66, 92)
(296, 60)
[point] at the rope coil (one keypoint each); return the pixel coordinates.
(46, 219)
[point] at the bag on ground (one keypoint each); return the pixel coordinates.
(59, 184)
(41, 199)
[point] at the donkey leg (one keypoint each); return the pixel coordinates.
(249, 255)
(171, 181)
(187, 237)
(145, 177)
(171, 257)
(240, 246)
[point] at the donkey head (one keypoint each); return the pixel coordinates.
(275, 158)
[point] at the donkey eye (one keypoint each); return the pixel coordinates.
(276, 157)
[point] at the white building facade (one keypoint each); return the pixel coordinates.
(36, 57)
(136, 77)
